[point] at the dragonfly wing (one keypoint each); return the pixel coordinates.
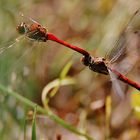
(19, 61)
(120, 113)
(121, 109)
(124, 53)
(119, 47)
(118, 89)
(6, 47)
(126, 61)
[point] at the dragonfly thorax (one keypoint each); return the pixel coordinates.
(96, 64)
(34, 31)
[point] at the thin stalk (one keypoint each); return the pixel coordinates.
(48, 112)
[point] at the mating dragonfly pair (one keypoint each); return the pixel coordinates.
(37, 32)
(97, 64)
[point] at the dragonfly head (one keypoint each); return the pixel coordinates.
(22, 28)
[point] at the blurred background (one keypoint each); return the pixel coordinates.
(28, 67)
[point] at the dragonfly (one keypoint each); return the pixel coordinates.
(37, 32)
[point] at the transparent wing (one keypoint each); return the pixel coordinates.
(130, 56)
(26, 18)
(116, 85)
(124, 53)
(120, 102)
(120, 46)
(6, 47)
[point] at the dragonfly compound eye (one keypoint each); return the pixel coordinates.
(22, 28)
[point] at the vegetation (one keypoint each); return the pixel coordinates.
(46, 93)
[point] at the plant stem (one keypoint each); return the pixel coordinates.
(48, 112)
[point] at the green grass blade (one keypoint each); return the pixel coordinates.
(48, 112)
(34, 124)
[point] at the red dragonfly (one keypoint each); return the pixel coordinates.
(101, 65)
